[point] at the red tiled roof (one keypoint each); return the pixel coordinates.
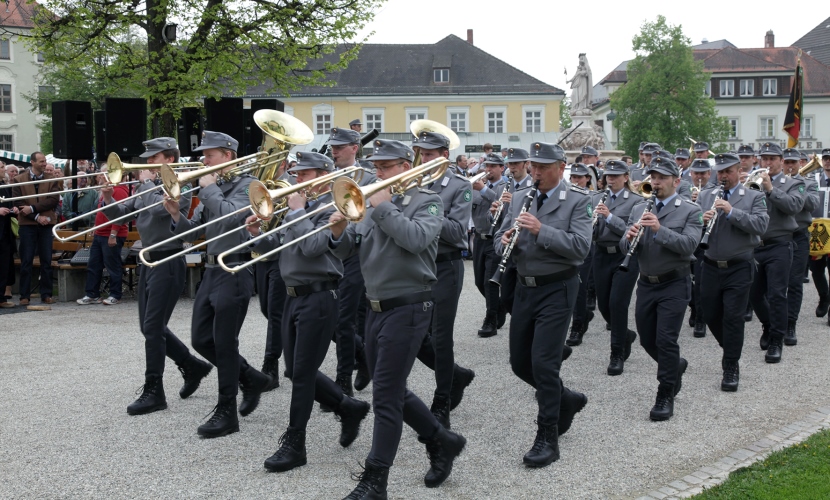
(17, 14)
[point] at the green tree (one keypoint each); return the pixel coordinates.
(221, 47)
(565, 114)
(663, 100)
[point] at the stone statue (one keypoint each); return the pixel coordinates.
(582, 85)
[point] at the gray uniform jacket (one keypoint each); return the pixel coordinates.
(811, 199)
(607, 233)
(457, 197)
(368, 176)
(681, 225)
(684, 189)
(511, 188)
(564, 239)
(638, 172)
(310, 260)
(822, 208)
(482, 200)
(154, 224)
(783, 203)
(217, 201)
(397, 242)
(738, 235)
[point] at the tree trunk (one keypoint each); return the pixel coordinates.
(163, 124)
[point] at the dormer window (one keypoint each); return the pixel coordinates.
(441, 75)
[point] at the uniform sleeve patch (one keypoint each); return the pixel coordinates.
(185, 188)
(432, 209)
(468, 195)
(801, 188)
(700, 218)
(247, 192)
(590, 211)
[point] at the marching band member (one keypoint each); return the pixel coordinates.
(638, 170)
(818, 265)
(582, 317)
(701, 176)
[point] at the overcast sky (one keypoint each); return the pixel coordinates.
(542, 38)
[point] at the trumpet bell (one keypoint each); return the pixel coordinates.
(349, 199)
(261, 202)
(645, 188)
(754, 181)
(810, 167)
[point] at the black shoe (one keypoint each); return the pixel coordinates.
(442, 450)
(151, 398)
(362, 378)
(502, 316)
(664, 405)
(700, 329)
(461, 378)
(253, 383)
(291, 453)
(748, 315)
(576, 333)
(607, 326)
(692, 318)
(488, 328)
(773, 354)
(823, 306)
(351, 412)
(570, 404)
(371, 485)
(545, 448)
(616, 365)
(764, 337)
(731, 375)
(223, 421)
(441, 409)
(591, 300)
(789, 337)
(193, 371)
(345, 383)
(631, 337)
(566, 352)
(271, 366)
(681, 369)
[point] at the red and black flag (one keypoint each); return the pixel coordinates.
(792, 122)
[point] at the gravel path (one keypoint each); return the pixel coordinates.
(68, 375)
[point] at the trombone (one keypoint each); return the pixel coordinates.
(350, 200)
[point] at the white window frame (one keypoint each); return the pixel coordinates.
(540, 108)
(495, 109)
(374, 111)
(459, 109)
(763, 128)
(707, 90)
(737, 127)
(747, 87)
(11, 50)
(322, 109)
(412, 111)
(10, 134)
(772, 81)
(811, 120)
(38, 56)
(437, 71)
(727, 85)
(11, 96)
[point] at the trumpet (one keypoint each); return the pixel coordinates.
(505, 256)
(754, 180)
(704, 241)
(477, 177)
(633, 246)
(695, 189)
(601, 201)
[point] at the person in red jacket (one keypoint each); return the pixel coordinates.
(106, 249)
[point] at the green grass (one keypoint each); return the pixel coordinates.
(801, 471)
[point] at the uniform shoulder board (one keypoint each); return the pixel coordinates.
(427, 191)
(461, 177)
(522, 189)
(690, 202)
(579, 189)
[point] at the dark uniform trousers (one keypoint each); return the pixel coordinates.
(486, 261)
(768, 295)
(307, 326)
(158, 291)
(538, 328)
(218, 313)
(659, 315)
(697, 272)
(818, 268)
(795, 290)
(614, 290)
(726, 297)
(392, 341)
(271, 290)
(35, 240)
(351, 293)
(509, 278)
(436, 352)
(581, 307)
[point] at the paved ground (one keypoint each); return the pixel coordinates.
(68, 375)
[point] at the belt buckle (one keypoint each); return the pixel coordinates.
(655, 280)
(612, 249)
(375, 305)
(291, 291)
(530, 281)
(211, 259)
(722, 264)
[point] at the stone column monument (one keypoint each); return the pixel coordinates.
(586, 134)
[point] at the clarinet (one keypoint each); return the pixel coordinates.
(497, 216)
(601, 201)
(633, 246)
(505, 258)
(704, 242)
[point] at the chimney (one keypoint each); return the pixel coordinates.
(470, 37)
(769, 40)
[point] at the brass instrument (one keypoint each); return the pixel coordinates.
(695, 189)
(645, 188)
(633, 246)
(514, 238)
(477, 177)
(754, 180)
(810, 167)
(419, 126)
(704, 241)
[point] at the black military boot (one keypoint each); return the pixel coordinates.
(692, 315)
(371, 485)
(441, 409)
(681, 369)
(789, 338)
(748, 314)
(566, 352)
(591, 299)
(570, 404)
(193, 371)
(151, 398)
(700, 329)
(291, 453)
(731, 374)
(253, 383)
(442, 449)
(351, 412)
(823, 306)
(631, 336)
(271, 366)
(223, 421)
(488, 328)
(362, 378)
(345, 383)
(664, 405)
(764, 336)
(461, 378)
(616, 364)
(576, 333)
(776, 347)
(545, 448)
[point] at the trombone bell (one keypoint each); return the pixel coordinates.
(810, 167)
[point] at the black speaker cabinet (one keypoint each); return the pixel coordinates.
(254, 139)
(126, 124)
(189, 130)
(225, 116)
(100, 135)
(72, 129)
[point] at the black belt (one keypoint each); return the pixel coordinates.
(534, 281)
(484, 236)
(669, 276)
(234, 258)
(724, 264)
(320, 286)
(404, 300)
(446, 256)
(611, 249)
(774, 241)
(157, 255)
